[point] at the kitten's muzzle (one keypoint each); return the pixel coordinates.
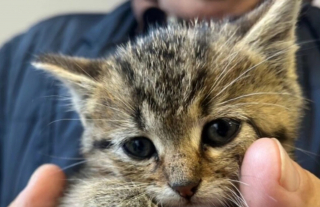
(186, 190)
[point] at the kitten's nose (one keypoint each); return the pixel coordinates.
(187, 190)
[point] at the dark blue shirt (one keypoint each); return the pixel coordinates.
(36, 125)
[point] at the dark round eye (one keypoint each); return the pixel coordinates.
(139, 148)
(219, 132)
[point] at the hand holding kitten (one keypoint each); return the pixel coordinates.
(271, 179)
(44, 188)
(265, 183)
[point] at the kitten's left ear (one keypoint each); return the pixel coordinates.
(272, 25)
(80, 75)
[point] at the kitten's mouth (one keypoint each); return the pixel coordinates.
(200, 203)
(190, 203)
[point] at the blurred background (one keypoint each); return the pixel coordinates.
(18, 15)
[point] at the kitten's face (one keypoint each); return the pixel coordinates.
(176, 111)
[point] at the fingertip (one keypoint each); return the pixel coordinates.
(44, 188)
(261, 159)
(261, 171)
(50, 174)
(273, 179)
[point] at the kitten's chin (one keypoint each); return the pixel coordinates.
(191, 203)
(168, 198)
(196, 205)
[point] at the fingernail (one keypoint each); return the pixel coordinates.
(290, 178)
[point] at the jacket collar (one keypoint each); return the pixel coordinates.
(113, 28)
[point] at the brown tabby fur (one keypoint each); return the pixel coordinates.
(167, 86)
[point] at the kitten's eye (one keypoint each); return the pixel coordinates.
(139, 148)
(220, 132)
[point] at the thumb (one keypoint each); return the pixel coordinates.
(271, 179)
(44, 188)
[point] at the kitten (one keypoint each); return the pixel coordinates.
(168, 118)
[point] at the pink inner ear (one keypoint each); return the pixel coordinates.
(79, 66)
(276, 25)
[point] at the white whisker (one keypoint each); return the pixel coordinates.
(258, 94)
(264, 104)
(250, 69)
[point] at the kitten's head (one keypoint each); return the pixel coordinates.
(176, 110)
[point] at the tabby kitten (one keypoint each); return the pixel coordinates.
(169, 117)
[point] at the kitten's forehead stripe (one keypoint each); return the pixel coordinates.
(169, 73)
(138, 118)
(126, 69)
(197, 84)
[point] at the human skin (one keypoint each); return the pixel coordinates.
(201, 9)
(270, 178)
(206, 8)
(44, 188)
(316, 3)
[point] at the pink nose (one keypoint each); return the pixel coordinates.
(186, 191)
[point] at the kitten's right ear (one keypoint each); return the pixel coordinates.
(80, 75)
(69, 69)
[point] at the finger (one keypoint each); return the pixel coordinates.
(273, 179)
(44, 188)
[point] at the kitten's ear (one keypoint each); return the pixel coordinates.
(273, 22)
(78, 74)
(69, 69)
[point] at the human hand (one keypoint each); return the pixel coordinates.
(271, 179)
(44, 188)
